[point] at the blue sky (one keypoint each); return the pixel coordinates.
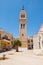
(10, 13)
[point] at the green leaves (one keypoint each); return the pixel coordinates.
(17, 43)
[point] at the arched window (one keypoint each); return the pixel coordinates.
(23, 26)
(28, 41)
(5, 37)
(22, 34)
(22, 15)
(39, 45)
(32, 41)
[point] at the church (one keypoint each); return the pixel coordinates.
(38, 40)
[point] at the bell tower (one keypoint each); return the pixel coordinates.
(22, 27)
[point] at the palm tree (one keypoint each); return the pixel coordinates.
(17, 43)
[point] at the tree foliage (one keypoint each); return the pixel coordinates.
(17, 43)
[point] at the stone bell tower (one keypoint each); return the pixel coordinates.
(22, 28)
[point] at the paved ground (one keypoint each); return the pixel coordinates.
(21, 58)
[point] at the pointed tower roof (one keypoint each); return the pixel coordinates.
(23, 11)
(41, 28)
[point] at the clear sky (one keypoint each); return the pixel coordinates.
(10, 11)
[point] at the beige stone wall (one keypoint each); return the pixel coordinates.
(24, 44)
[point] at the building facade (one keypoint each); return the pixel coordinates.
(30, 42)
(38, 40)
(6, 40)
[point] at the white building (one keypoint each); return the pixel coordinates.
(38, 40)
